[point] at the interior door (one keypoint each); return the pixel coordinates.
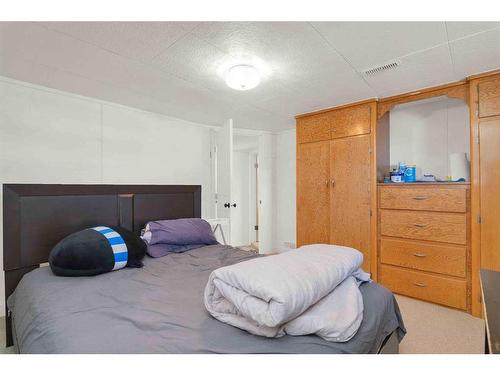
(224, 171)
(489, 133)
(313, 196)
(350, 194)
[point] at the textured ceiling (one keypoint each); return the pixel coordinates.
(175, 68)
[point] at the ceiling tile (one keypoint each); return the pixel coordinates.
(285, 51)
(14, 66)
(195, 60)
(205, 65)
(458, 30)
(20, 39)
(292, 106)
(137, 40)
(419, 70)
(366, 44)
(333, 89)
(476, 54)
(216, 32)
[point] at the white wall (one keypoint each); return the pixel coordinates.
(425, 133)
(49, 136)
(285, 190)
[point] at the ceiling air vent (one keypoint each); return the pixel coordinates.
(382, 68)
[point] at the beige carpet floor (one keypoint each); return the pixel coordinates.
(431, 329)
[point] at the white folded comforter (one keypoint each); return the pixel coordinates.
(311, 290)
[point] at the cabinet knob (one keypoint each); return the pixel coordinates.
(420, 198)
(332, 182)
(419, 255)
(420, 285)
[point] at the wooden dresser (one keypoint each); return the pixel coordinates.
(424, 244)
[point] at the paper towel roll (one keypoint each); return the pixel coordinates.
(459, 166)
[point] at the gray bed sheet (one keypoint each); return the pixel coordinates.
(159, 309)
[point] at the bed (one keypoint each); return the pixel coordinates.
(155, 309)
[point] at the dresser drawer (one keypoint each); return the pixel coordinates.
(444, 259)
(431, 226)
(433, 288)
(424, 199)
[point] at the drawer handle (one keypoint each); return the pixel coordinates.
(421, 225)
(419, 255)
(420, 198)
(420, 285)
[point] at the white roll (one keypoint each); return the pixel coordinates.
(459, 166)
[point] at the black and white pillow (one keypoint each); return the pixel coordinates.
(97, 250)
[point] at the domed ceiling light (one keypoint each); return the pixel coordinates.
(242, 77)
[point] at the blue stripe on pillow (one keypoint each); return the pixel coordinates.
(121, 257)
(118, 246)
(115, 240)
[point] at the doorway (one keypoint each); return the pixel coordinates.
(245, 216)
(242, 185)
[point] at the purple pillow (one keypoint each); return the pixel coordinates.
(179, 232)
(161, 249)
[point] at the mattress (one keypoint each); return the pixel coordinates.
(159, 309)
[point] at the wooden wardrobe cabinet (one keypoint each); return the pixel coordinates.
(485, 96)
(334, 178)
(339, 152)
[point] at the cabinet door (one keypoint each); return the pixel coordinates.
(350, 194)
(314, 128)
(489, 133)
(489, 98)
(313, 171)
(350, 121)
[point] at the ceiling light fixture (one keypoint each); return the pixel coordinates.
(242, 77)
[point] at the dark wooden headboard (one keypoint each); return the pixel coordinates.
(37, 216)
